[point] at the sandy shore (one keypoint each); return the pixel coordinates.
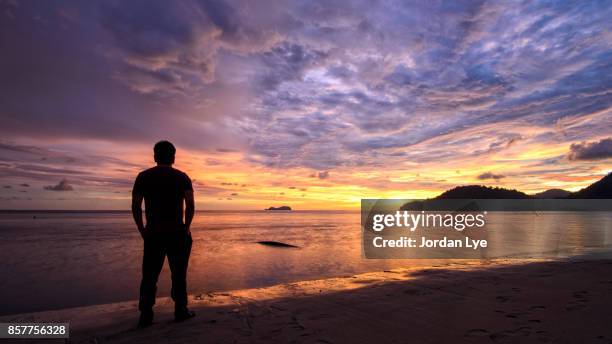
(568, 301)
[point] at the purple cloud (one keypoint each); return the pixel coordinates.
(595, 150)
(63, 185)
(490, 175)
(302, 84)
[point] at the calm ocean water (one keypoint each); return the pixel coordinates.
(60, 260)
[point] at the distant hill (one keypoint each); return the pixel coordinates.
(600, 189)
(552, 193)
(482, 192)
(464, 193)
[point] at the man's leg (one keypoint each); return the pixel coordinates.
(178, 259)
(152, 263)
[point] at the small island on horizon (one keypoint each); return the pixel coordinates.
(282, 207)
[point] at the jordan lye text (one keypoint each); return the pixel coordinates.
(429, 225)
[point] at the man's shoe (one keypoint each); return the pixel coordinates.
(183, 314)
(146, 319)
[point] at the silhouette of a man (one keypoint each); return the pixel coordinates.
(164, 190)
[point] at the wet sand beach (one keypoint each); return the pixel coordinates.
(503, 301)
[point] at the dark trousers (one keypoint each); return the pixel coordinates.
(175, 245)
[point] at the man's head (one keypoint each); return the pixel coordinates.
(164, 153)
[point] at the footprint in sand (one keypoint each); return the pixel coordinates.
(503, 298)
(476, 332)
(523, 331)
(579, 302)
(543, 336)
(574, 307)
(581, 294)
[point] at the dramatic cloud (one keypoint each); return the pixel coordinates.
(389, 95)
(464, 66)
(490, 175)
(596, 150)
(61, 186)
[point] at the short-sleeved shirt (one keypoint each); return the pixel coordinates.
(163, 189)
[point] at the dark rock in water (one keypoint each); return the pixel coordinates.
(284, 207)
(276, 244)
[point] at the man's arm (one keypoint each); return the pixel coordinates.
(137, 212)
(189, 209)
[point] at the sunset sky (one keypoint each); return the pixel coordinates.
(305, 103)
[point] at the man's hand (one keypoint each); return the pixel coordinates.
(137, 213)
(189, 210)
(143, 231)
